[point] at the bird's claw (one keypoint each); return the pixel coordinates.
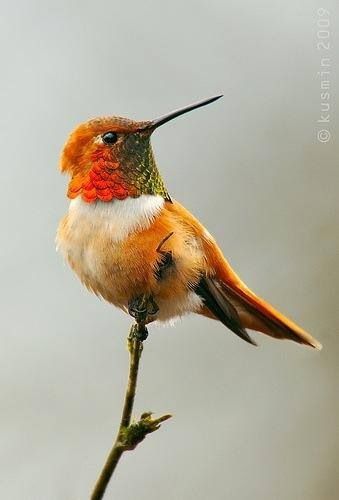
(140, 308)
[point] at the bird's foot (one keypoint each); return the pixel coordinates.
(141, 308)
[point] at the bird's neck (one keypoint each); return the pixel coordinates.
(106, 180)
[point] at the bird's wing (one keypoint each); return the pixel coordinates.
(227, 294)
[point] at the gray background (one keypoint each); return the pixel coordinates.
(249, 423)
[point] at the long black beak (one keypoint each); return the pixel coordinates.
(166, 118)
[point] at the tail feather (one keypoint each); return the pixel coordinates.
(257, 314)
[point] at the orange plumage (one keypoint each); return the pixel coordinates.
(126, 238)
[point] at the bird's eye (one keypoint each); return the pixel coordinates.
(110, 137)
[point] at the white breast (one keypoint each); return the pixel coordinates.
(119, 217)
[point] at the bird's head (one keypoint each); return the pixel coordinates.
(111, 158)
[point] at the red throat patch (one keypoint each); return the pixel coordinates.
(104, 181)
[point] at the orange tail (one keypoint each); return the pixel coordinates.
(257, 314)
(252, 311)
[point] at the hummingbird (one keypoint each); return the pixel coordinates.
(133, 245)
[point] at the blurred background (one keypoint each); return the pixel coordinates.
(248, 423)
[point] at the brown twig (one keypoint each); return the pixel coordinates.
(129, 434)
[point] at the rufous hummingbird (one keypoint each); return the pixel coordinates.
(132, 244)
